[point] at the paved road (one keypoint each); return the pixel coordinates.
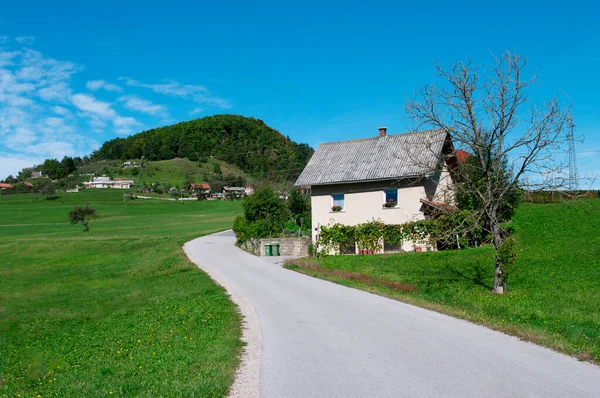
(320, 339)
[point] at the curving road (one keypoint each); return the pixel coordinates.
(319, 339)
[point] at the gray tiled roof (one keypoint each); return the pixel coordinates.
(379, 158)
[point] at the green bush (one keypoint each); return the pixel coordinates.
(448, 231)
(507, 256)
(264, 216)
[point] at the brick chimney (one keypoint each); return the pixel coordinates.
(382, 131)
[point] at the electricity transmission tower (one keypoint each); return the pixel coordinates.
(573, 176)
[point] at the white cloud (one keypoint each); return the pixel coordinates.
(57, 92)
(135, 103)
(4, 39)
(26, 40)
(196, 111)
(87, 103)
(196, 93)
(99, 112)
(98, 125)
(101, 84)
(124, 125)
(59, 110)
(6, 57)
(11, 164)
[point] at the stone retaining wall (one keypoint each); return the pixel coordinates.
(287, 246)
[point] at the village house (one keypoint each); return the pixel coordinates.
(145, 189)
(283, 195)
(233, 192)
(73, 190)
(202, 190)
(37, 174)
(107, 182)
(249, 191)
(391, 178)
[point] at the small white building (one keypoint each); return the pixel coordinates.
(37, 174)
(107, 182)
(394, 179)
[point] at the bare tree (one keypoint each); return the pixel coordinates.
(485, 111)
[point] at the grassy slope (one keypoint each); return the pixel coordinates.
(117, 310)
(554, 296)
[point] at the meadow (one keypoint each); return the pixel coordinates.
(116, 311)
(554, 288)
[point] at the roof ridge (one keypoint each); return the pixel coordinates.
(389, 135)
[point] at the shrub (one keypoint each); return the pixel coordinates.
(368, 235)
(507, 256)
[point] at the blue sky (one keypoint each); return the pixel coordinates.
(74, 74)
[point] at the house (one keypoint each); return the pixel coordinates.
(200, 190)
(73, 190)
(172, 190)
(391, 178)
(128, 164)
(28, 184)
(5, 186)
(305, 189)
(215, 196)
(282, 195)
(107, 182)
(249, 191)
(37, 174)
(233, 192)
(145, 189)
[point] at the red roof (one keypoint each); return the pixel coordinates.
(5, 185)
(445, 207)
(202, 186)
(462, 156)
(28, 184)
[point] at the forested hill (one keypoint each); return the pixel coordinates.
(245, 142)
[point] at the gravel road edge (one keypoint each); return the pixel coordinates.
(247, 378)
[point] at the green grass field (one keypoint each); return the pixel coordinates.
(118, 311)
(554, 289)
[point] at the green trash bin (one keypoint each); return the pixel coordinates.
(275, 249)
(268, 250)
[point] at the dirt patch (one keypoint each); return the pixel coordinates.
(311, 265)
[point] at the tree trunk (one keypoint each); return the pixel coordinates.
(497, 239)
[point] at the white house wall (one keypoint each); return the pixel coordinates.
(364, 202)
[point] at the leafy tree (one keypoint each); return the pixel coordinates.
(299, 207)
(486, 111)
(52, 168)
(263, 205)
(82, 215)
(46, 188)
(67, 165)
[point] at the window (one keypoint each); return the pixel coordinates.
(391, 197)
(337, 201)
